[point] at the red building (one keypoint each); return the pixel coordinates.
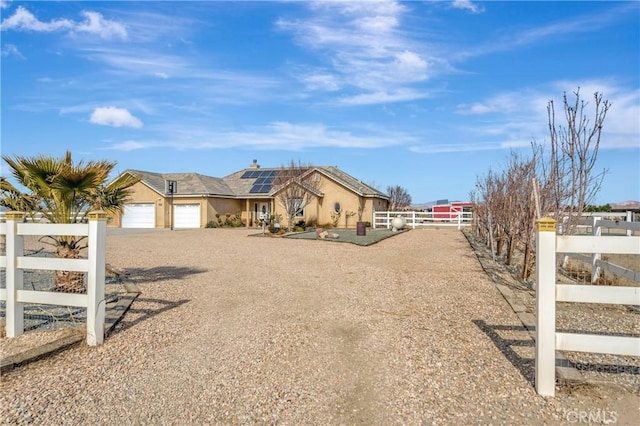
(449, 212)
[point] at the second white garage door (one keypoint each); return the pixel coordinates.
(186, 216)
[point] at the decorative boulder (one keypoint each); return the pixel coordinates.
(398, 223)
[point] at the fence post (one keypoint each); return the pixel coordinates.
(629, 219)
(545, 379)
(596, 231)
(14, 247)
(95, 277)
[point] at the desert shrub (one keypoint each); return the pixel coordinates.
(367, 224)
(211, 224)
(298, 229)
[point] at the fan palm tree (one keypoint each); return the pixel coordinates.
(64, 192)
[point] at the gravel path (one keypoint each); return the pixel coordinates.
(232, 329)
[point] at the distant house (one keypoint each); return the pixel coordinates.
(246, 194)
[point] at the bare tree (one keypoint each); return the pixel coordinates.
(399, 198)
(295, 187)
(574, 150)
(561, 183)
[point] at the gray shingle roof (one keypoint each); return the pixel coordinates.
(188, 183)
(233, 186)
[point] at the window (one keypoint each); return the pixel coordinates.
(297, 206)
(337, 207)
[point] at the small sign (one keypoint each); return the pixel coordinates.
(546, 224)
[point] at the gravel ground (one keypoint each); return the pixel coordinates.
(231, 329)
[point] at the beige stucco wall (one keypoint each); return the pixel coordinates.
(222, 206)
(319, 210)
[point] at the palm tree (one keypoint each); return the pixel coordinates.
(64, 192)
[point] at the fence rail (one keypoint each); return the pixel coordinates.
(597, 225)
(548, 292)
(417, 219)
(14, 262)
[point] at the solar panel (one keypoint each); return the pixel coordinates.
(245, 175)
(260, 189)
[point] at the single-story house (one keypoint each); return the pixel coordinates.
(248, 194)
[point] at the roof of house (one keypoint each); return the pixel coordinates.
(250, 182)
(187, 183)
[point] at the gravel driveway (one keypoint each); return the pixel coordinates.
(234, 329)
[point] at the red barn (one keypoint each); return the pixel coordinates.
(449, 212)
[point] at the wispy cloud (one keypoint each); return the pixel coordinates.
(279, 135)
(94, 23)
(366, 51)
(521, 116)
(467, 5)
(550, 32)
(4, 4)
(116, 117)
(11, 50)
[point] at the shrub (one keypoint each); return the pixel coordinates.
(211, 224)
(298, 229)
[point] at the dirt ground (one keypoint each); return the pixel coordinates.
(234, 329)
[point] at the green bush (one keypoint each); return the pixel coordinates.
(298, 229)
(211, 224)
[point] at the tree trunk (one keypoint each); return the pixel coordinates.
(69, 281)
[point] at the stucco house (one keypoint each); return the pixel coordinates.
(246, 194)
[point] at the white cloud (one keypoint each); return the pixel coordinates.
(4, 4)
(116, 117)
(10, 49)
(279, 135)
(382, 97)
(467, 5)
(94, 23)
(23, 20)
(365, 47)
(521, 116)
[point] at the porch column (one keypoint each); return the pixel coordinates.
(248, 213)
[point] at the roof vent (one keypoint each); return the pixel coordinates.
(254, 165)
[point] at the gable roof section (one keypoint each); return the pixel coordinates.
(352, 183)
(188, 183)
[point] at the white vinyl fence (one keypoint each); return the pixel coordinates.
(548, 292)
(14, 262)
(416, 219)
(601, 227)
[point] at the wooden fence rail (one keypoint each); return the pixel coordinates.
(14, 262)
(548, 292)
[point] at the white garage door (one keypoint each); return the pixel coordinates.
(186, 216)
(139, 216)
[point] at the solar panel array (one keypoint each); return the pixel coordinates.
(264, 179)
(263, 182)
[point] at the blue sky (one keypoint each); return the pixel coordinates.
(427, 95)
